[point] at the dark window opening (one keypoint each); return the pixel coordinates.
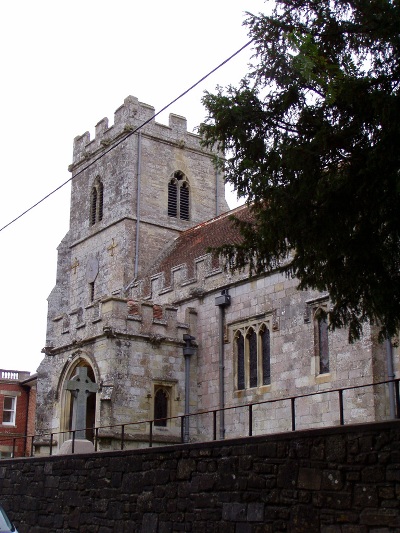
(266, 356)
(323, 345)
(160, 408)
(91, 291)
(240, 361)
(252, 340)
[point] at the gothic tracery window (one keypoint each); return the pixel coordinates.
(178, 196)
(253, 356)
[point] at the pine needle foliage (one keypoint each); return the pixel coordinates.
(312, 141)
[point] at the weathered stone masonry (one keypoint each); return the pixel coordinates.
(342, 480)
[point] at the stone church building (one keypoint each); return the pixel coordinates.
(161, 327)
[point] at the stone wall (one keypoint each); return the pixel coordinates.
(337, 480)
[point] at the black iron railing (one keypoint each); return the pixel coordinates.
(48, 439)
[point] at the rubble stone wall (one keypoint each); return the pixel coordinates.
(327, 480)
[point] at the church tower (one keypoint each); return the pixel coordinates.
(134, 190)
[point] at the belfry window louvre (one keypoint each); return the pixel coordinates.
(178, 197)
(96, 202)
(172, 198)
(93, 206)
(252, 346)
(184, 201)
(100, 201)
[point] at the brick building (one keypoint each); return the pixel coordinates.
(18, 406)
(137, 291)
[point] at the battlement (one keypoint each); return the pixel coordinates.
(187, 280)
(129, 116)
(114, 316)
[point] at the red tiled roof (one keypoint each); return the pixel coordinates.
(194, 242)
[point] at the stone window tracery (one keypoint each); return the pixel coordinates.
(252, 347)
(179, 196)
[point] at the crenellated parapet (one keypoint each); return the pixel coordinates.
(128, 118)
(117, 317)
(186, 280)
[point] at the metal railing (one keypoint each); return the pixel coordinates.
(48, 439)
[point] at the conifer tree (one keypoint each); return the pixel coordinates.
(312, 141)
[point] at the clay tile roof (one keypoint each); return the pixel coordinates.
(194, 242)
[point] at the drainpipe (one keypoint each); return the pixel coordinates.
(222, 301)
(188, 351)
(139, 162)
(216, 192)
(391, 375)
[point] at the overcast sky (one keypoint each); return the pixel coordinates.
(65, 66)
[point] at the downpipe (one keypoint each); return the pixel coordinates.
(222, 301)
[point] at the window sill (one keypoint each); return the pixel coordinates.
(263, 389)
(323, 378)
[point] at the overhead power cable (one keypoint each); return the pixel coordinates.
(127, 135)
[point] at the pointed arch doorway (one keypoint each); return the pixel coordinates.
(68, 401)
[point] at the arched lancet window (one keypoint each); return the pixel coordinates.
(96, 202)
(178, 196)
(100, 201)
(240, 361)
(172, 198)
(160, 407)
(93, 206)
(265, 338)
(252, 343)
(184, 201)
(322, 346)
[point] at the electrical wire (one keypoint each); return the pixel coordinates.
(127, 135)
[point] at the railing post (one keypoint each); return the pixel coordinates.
(214, 425)
(51, 443)
(96, 438)
(182, 428)
(396, 385)
(250, 420)
(13, 450)
(33, 436)
(73, 441)
(151, 434)
(122, 436)
(341, 411)
(293, 409)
